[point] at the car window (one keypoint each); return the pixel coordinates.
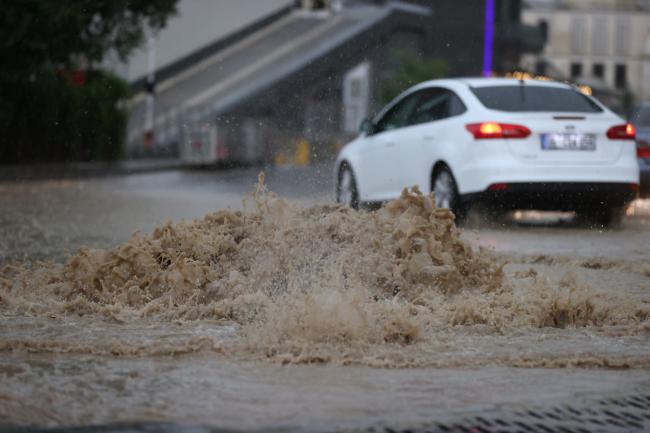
(435, 104)
(398, 115)
(535, 98)
(456, 106)
(641, 117)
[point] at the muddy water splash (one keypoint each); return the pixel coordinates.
(324, 283)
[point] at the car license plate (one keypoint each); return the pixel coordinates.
(568, 142)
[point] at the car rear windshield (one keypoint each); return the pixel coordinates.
(641, 117)
(535, 98)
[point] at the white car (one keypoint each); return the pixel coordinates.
(508, 143)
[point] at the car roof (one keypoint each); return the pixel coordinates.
(488, 82)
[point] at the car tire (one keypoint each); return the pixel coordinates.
(446, 192)
(611, 217)
(346, 189)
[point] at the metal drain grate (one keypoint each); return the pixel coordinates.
(630, 414)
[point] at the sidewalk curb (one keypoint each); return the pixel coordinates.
(84, 170)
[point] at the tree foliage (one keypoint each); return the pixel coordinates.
(34, 33)
(56, 121)
(414, 70)
(41, 42)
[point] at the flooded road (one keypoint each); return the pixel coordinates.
(43, 218)
(564, 322)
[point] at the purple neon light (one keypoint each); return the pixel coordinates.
(489, 36)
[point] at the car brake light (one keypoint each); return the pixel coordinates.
(642, 149)
(621, 132)
(497, 130)
(497, 186)
(634, 186)
(490, 128)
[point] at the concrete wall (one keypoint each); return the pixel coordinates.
(198, 24)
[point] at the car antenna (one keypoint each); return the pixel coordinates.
(521, 89)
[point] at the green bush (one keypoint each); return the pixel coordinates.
(47, 118)
(414, 70)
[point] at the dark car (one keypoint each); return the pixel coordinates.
(641, 120)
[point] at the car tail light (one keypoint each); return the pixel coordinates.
(621, 132)
(634, 186)
(642, 149)
(497, 186)
(497, 130)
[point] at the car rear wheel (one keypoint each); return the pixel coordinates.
(346, 191)
(611, 217)
(446, 192)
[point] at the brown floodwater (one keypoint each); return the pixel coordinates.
(273, 313)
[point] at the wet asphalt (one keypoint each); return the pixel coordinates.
(38, 219)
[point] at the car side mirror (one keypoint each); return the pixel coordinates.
(367, 125)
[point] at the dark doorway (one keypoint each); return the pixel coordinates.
(543, 28)
(576, 70)
(620, 79)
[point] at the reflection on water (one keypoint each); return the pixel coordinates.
(531, 216)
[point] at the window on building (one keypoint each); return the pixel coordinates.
(622, 42)
(543, 28)
(578, 35)
(601, 35)
(598, 70)
(576, 70)
(540, 68)
(620, 79)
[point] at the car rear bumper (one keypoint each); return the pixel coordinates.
(498, 166)
(556, 196)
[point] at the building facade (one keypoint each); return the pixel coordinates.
(604, 44)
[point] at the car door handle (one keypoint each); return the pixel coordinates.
(428, 137)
